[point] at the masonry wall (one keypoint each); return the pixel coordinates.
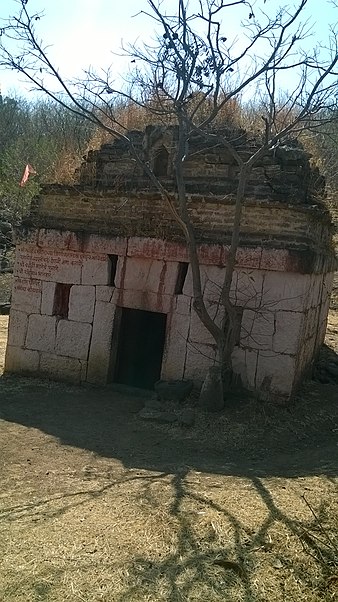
(283, 312)
(264, 224)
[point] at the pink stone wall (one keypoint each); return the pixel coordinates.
(283, 312)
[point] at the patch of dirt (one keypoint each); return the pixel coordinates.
(97, 504)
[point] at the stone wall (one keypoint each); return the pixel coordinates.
(276, 306)
(271, 225)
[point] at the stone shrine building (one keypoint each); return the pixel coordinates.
(103, 288)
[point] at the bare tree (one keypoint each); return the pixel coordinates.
(187, 76)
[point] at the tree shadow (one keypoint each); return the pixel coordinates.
(212, 566)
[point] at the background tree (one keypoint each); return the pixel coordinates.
(188, 75)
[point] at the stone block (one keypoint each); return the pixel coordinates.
(288, 332)
(47, 301)
(211, 276)
(103, 244)
(173, 390)
(244, 363)
(210, 254)
(286, 291)
(314, 291)
(60, 368)
(55, 239)
(81, 303)
(21, 361)
(100, 347)
(275, 260)
(246, 288)
(246, 258)
(175, 350)
(72, 339)
(67, 271)
(144, 300)
(175, 251)
(149, 275)
(199, 358)
(149, 248)
(198, 333)
(41, 333)
(17, 328)
(26, 295)
(96, 271)
(104, 293)
(275, 375)
(257, 329)
(183, 305)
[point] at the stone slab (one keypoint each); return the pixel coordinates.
(149, 275)
(289, 331)
(244, 363)
(21, 361)
(81, 303)
(257, 329)
(48, 295)
(17, 328)
(199, 358)
(26, 295)
(96, 271)
(146, 301)
(175, 350)
(48, 264)
(72, 339)
(55, 239)
(60, 368)
(104, 293)
(275, 375)
(286, 291)
(100, 348)
(41, 333)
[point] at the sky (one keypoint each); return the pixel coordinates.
(86, 32)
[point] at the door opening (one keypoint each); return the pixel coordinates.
(140, 347)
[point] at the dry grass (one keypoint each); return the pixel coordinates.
(96, 505)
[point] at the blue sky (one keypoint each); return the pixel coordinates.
(84, 32)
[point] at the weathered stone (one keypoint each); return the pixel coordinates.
(17, 328)
(81, 303)
(257, 329)
(149, 276)
(104, 293)
(26, 295)
(173, 390)
(212, 396)
(198, 360)
(96, 271)
(72, 339)
(100, 347)
(21, 361)
(48, 295)
(288, 331)
(41, 333)
(275, 374)
(60, 368)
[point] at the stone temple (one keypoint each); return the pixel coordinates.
(103, 289)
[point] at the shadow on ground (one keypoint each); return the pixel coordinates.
(295, 440)
(208, 562)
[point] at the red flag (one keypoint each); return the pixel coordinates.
(28, 171)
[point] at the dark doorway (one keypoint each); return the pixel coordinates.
(140, 348)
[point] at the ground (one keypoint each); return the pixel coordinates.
(97, 504)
